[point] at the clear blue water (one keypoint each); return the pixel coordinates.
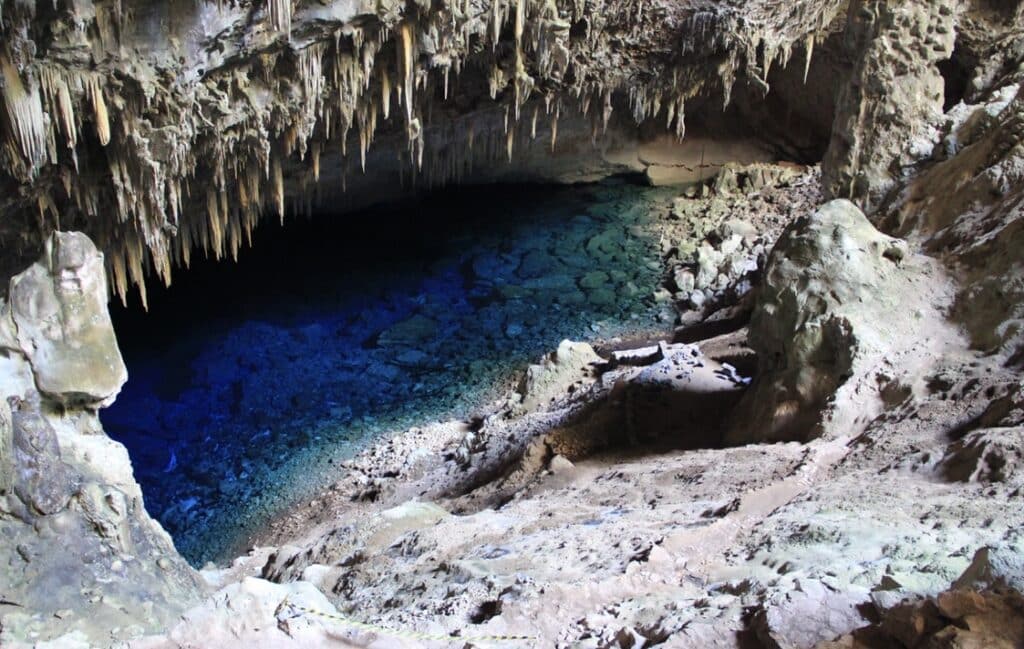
(249, 381)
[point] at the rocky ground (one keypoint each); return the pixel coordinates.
(616, 499)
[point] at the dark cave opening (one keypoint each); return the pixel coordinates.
(956, 74)
(333, 330)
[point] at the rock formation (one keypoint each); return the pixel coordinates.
(863, 491)
(889, 108)
(188, 123)
(837, 297)
(79, 552)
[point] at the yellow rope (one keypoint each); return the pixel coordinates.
(411, 635)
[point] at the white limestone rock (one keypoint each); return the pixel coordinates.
(58, 309)
(835, 290)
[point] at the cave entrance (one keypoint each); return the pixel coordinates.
(250, 381)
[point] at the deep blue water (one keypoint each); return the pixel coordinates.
(249, 380)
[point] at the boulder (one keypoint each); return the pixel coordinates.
(58, 309)
(412, 331)
(1000, 566)
(829, 293)
(983, 608)
(542, 382)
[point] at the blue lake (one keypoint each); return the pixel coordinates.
(249, 380)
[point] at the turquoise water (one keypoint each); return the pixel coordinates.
(249, 381)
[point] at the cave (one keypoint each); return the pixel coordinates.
(547, 323)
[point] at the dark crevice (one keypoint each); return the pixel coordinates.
(956, 72)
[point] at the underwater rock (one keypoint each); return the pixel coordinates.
(412, 331)
(594, 280)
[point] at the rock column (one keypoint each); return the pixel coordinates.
(888, 109)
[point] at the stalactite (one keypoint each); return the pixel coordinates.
(119, 276)
(342, 84)
(809, 49)
(496, 22)
(385, 92)
(58, 98)
(24, 112)
(520, 23)
(134, 261)
(280, 16)
(554, 126)
(316, 161)
(234, 237)
(406, 56)
(606, 112)
(277, 178)
(99, 107)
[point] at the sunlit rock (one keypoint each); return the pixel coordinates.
(836, 291)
